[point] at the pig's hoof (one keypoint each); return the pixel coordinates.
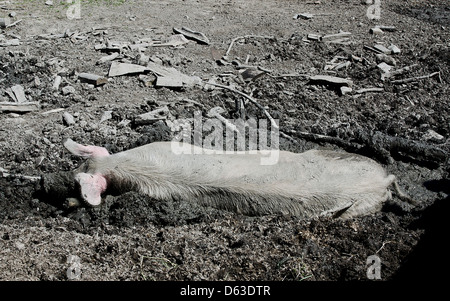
(92, 187)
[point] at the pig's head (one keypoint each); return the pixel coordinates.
(92, 185)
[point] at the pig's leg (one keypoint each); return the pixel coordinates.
(88, 151)
(92, 186)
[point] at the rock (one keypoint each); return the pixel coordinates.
(384, 67)
(68, 90)
(4, 22)
(106, 116)
(68, 119)
(381, 57)
(345, 90)
(56, 82)
(250, 74)
(394, 49)
(305, 16)
(433, 136)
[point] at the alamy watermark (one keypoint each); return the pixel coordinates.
(227, 136)
(74, 9)
(374, 268)
(73, 272)
(374, 10)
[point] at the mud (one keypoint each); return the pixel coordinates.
(134, 237)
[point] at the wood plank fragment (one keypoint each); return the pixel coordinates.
(331, 80)
(335, 36)
(386, 28)
(118, 69)
(381, 49)
(19, 107)
(93, 79)
(19, 93)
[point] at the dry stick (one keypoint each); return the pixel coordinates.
(13, 24)
(272, 121)
(412, 79)
(245, 37)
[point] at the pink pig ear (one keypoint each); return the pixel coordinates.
(89, 151)
(92, 187)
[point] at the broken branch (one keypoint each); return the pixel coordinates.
(413, 79)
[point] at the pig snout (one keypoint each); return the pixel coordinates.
(309, 184)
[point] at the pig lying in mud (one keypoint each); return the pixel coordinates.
(308, 185)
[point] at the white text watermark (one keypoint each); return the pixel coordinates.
(227, 136)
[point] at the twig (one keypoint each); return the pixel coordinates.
(382, 246)
(366, 90)
(272, 121)
(245, 37)
(412, 79)
(14, 23)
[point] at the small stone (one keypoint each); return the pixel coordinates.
(68, 90)
(432, 135)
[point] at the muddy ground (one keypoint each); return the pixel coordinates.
(405, 127)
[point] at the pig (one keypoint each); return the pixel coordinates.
(308, 185)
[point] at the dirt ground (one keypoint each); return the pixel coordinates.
(405, 127)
